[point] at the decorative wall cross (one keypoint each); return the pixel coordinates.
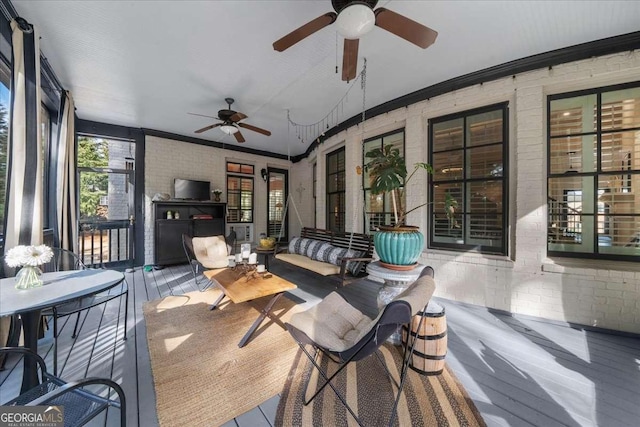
(300, 190)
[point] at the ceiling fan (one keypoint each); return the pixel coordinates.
(231, 123)
(355, 18)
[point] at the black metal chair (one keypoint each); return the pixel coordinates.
(65, 260)
(232, 239)
(195, 266)
(320, 328)
(81, 404)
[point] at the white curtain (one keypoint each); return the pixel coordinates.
(23, 214)
(24, 204)
(64, 159)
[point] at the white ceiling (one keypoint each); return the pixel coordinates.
(148, 63)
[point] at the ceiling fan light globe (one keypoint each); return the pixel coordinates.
(229, 129)
(355, 21)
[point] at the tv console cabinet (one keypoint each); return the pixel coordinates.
(168, 232)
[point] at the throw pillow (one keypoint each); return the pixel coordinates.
(334, 255)
(312, 249)
(321, 252)
(354, 267)
(294, 245)
(304, 244)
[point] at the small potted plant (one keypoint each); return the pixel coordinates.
(398, 245)
(216, 194)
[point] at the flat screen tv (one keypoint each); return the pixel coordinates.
(188, 189)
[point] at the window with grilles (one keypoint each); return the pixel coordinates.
(593, 173)
(468, 188)
(336, 190)
(239, 192)
(379, 207)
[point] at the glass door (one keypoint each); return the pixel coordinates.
(277, 192)
(107, 221)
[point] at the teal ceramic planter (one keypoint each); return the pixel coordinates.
(399, 246)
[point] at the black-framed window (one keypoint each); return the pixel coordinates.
(241, 168)
(468, 189)
(593, 173)
(239, 192)
(315, 183)
(378, 207)
(336, 176)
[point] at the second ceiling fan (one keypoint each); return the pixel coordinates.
(231, 122)
(355, 18)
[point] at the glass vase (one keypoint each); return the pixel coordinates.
(29, 277)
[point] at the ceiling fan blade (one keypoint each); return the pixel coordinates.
(237, 117)
(306, 30)
(255, 129)
(206, 128)
(202, 115)
(406, 28)
(239, 136)
(350, 59)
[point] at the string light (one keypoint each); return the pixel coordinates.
(313, 131)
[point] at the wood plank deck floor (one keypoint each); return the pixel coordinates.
(519, 372)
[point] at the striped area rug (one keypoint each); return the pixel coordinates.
(438, 400)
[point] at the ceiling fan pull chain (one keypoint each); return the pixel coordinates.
(336, 52)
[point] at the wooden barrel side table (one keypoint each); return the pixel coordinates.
(431, 340)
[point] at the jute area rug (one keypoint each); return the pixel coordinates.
(201, 377)
(426, 400)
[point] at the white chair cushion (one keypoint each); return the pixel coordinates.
(333, 323)
(211, 251)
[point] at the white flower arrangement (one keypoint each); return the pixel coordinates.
(32, 256)
(217, 191)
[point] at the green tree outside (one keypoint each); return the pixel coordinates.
(92, 153)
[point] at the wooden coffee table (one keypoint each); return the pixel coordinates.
(239, 289)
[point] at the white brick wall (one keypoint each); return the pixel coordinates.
(301, 178)
(604, 294)
(118, 198)
(166, 159)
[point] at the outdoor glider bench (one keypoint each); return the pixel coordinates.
(329, 253)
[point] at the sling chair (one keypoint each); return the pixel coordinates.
(336, 329)
(205, 253)
(80, 399)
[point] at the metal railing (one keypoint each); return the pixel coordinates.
(105, 243)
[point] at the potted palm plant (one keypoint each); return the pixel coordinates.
(398, 245)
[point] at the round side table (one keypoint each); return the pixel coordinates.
(395, 281)
(266, 252)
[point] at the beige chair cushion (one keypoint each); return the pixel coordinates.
(333, 323)
(211, 251)
(319, 267)
(418, 294)
(336, 325)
